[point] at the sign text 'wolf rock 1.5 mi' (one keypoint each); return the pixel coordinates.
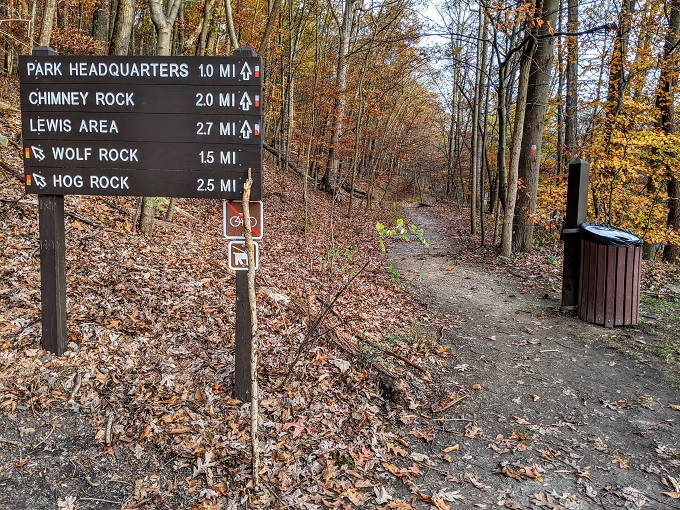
(142, 126)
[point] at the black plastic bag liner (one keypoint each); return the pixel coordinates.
(609, 236)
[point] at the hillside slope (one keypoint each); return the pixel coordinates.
(150, 358)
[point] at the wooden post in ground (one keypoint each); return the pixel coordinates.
(243, 348)
(52, 261)
(577, 210)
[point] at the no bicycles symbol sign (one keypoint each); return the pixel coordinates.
(232, 220)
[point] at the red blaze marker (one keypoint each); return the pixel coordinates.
(257, 101)
(28, 178)
(257, 130)
(27, 153)
(257, 71)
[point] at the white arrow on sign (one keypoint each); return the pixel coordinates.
(40, 181)
(245, 102)
(38, 153)
(246, 72)
(245, 130)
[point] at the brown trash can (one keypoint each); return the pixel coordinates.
(609, 277)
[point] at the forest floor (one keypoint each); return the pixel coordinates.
(565, 414)
(425, 380)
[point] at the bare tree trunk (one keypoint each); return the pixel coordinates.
(560, 155)
(122, 28)
(505, 77)
(515, 147)
(207, 11)
(271, 21)
(483, 113)
(357, 129)
(474, 144)
(230, 25)
(100, 21)
(617, 76)
(163, 20)
(534, 120)
(665, 102)
(49, 13)
(330, 179)
(502, 113)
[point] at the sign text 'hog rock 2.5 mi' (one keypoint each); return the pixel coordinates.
(142, 126)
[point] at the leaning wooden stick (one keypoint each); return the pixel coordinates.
(254, 404)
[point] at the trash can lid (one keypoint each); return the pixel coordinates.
(609, 236)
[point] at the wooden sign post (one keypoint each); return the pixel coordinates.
(52, 261)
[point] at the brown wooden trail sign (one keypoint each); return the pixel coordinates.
(142, 126)
(135, 126)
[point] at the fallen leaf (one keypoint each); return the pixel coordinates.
(297, 426)
(420, 457)
(542, 499)
(381, 495)
(614, 404)
(672, 495)
(396, 449)
(453, 448)
(358, 498)
(623, 463)
(675, 407)
(400, 505)
(426, 435)
(472, 430)
(68, 503)
(512, 473)
(342, 365)
(672, 483)
(521, 421)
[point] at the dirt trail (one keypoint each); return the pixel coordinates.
(560, 421)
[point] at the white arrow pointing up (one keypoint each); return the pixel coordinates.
(245, 130)
(38, 153)
(246, 72)
(245, 102)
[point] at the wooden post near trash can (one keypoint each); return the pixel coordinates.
(577, 211)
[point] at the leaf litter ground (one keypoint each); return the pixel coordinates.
(139, 412)
(523, 407)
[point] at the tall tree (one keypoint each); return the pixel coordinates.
(122, 28)
(163, 17)
(537, 100)
(516, 146)
(475, 145)
(665, 97)
(100, 20)
(49, 14)
(331, 176)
